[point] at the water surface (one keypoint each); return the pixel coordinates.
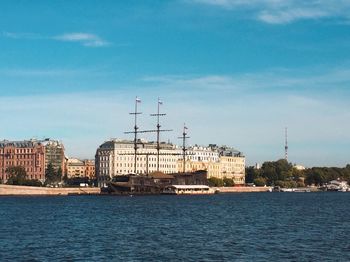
(231, 227)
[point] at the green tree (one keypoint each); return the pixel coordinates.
(251, 173)
(32, 182)
(51, 175)
(276, 170)
(228, 182)
(17, 175)
(260, 181)
(214, 181)
(59, 174)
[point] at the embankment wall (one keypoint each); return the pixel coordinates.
(6, 190)
(243, 189)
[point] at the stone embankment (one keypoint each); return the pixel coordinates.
(8, 190)
(243, 189)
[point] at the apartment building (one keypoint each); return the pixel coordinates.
(29, 154)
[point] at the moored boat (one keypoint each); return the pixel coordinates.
(188, 190)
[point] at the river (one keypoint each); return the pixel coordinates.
(226, 227)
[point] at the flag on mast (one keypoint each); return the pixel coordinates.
(160, 102)
(138, 100)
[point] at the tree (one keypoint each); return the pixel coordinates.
(59, 174)
(214, 181)
(277, 170)
(251, 173)
(17, 175)
(228, 182)
(51, 175)
(260, 181)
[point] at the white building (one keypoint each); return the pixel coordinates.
(116, 157)
(220, 162)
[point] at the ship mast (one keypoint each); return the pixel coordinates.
(158, 114)
(184, 149)
(137, 131)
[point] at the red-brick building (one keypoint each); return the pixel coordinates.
(28, 154)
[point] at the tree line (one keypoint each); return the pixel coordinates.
(284, 174)
(17, 175)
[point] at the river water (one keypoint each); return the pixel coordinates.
(226, 227)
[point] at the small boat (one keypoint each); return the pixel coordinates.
(188, 190)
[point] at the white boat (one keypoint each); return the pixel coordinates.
(188, 190)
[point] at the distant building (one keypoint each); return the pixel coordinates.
(80, 168)
(90, 169)
(116, 158)
(29, 154)
(299, 167)
(75, 168)
(54, 153)
(220, 162)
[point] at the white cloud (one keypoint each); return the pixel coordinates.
(21, 35)
(282, 17)
(273, 80)
(250, 111)
(209, 82)
(286, 11)
(246, 111)
(85, 39)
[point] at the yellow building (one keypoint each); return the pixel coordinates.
(228, 164)
(89, 169)
(79, 168)
(232, 167)
(116, 157)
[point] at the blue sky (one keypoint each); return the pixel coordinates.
(236, 72)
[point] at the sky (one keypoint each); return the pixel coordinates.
(236, 72)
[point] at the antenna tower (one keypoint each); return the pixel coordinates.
(286, 144)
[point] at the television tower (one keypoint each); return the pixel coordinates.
(286, 144)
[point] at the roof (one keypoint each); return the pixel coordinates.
(160, 175)
(190, 186)
(18, 144)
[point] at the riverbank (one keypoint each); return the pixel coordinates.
(243, 189)
(9, 190)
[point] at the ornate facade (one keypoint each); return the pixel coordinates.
(220, 162)
(80, 168)
(28, 154)
(116, 157)
(54, 153)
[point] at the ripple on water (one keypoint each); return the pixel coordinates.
(241, 227)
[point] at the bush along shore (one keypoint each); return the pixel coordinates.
(283, 174)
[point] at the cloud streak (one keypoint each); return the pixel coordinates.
(272, 80)
(224, 106)
(85, 39)
(285, 11)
